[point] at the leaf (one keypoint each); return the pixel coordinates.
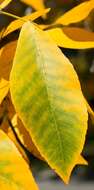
(24, 137)
(16, 24)
(1, 32)
(4, 88)
(47, 96)
(68, 38)
(6, 59)
(76, 14)
(14, 172)
(7, 105)
(36, 4)
(82, 161)
(26, 140)
(79, 34)
(4, 4)
(14, 138)
(21, 132)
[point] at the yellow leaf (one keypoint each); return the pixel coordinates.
(79, 34)
(4, 4)
(14, 172)
(14, 120)
(61, 38)
(76, 14)
(4, 88)
(82, 161)
(7, 129)
(10, 111)
(24, 137)
(16, 24)
(8, 106)
(6, 58)
(36, 4)
(20, 130)
(44, 26)
(1, 32)
(11, 114)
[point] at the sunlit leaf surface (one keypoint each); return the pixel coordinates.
(36, 4)
(14, 172)
(17, 24)
(72, 38)
(4, 88)
(76, 14)
(47, 96)
(4, 4)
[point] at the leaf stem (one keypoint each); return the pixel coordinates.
(12, 15)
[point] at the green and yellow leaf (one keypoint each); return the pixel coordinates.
(14, 172)
(4, 88)
(47, 96)
(26, 139)
(4, 4)
(77, 14)
(72, 38)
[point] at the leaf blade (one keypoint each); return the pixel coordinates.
(45, 83)
(4, 88)
(36, 4)
(7, 53)
(13, 166)
(4, 4)
(77, 14)
(65, 38)
(16, 24)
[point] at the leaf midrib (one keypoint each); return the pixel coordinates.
(43, 75)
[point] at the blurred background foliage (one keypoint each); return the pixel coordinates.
(83, 61)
